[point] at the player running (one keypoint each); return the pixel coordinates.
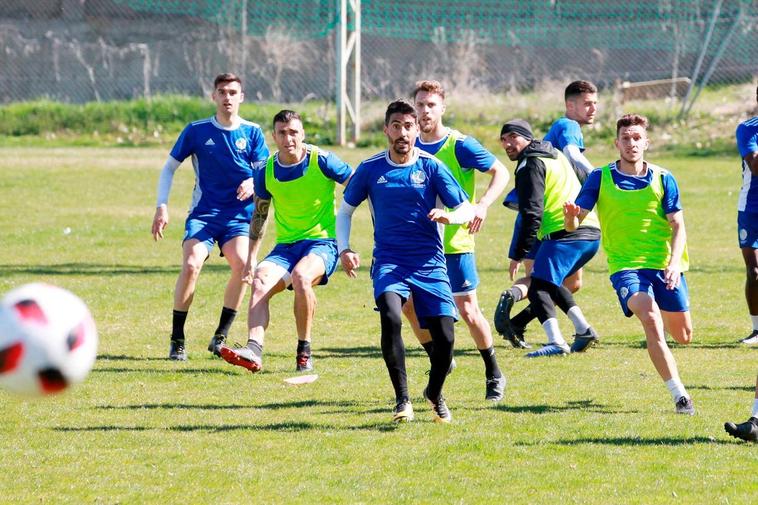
(565, 134)
(299, 179)
(645, 241)
(224, 150)
(544, 180)
(747, 216)
(403, 185)
(464, 156)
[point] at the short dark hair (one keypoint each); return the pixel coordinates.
(225, 78)
(399, 107)
(285, 116)
(577, 88)
(631, 120)
(429, 87)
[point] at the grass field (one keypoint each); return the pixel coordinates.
(596, 428)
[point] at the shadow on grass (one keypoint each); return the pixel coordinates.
(642, 344)
(222, 428)
(631, 441)
(125, 357)
(583, 405)
(717, 388)
(208, 406)
(98, 269)
(179, 370)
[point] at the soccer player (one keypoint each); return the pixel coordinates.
(544, 180)
(748, 430)
(464, 156)
(403, 185)
(645, 241)
(224, 149)
(300, 180)
(565, 134)
(747, 216)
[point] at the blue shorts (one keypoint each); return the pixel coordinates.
(747, 229)
(461, 270)
(288, 255)
(512, 249)
(212, 229)
(557, 259)
(646, 280)
(429, 287)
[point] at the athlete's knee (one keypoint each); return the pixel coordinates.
(650, 319)
(683, 334)
(192, 267)
(470, 313)
(573, 284)
(301, 281)
(684, 337)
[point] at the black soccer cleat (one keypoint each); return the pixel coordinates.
(502, 318)
(584, 341)
(215, 344)
(176, 352)
(495, 389)
(440, 412)
(747, 431)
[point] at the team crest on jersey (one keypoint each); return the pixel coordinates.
(623, 292)
(418, 177)
(241, 143)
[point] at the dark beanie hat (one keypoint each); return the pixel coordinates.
(519, 127)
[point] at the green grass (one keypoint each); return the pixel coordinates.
(596, 428)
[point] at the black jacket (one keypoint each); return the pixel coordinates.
(530, 187)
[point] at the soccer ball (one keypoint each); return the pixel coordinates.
(48, 340)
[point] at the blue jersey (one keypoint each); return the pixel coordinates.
(747, 142)
(222, 159)
(331, 166)
(468, 151)
(590, 191)
(400, 197)
(563, 132)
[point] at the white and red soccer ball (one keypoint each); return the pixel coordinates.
(48, 340)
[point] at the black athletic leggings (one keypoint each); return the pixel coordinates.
(393, 350)
(544, 296)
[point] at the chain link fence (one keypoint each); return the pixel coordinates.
(95, 50)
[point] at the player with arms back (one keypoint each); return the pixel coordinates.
(403, 185)
(224, 150)
(565, 135)
(300, 180)
(642, 227)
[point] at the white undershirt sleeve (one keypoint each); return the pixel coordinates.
(463, 213)
(578, 159)
(344, 223)
(165, 180)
